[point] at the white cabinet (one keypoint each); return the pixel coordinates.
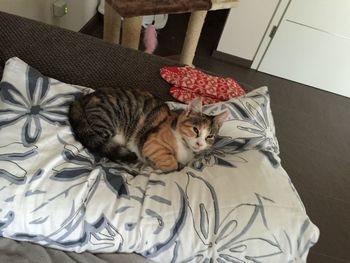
(312, 45)
(245, 27)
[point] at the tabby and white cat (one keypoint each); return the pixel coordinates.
(131, 124)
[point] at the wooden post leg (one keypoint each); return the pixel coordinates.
(111, 25)
(131, 32)
(193, 33)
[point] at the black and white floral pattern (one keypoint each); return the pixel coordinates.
(11, 155)
(34, 105)
(233, 203)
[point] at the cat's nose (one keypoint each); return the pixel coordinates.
(200, 144)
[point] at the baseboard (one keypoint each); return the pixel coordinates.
(232, 59)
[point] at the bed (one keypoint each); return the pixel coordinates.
(234, 203)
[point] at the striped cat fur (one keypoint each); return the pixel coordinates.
(130, 124)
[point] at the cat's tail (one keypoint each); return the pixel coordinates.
(82, 129)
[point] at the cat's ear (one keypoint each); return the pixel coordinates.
(219, 119)
(195, 106)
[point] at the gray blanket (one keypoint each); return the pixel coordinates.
(23, 252)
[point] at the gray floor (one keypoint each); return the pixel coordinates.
(313, 128)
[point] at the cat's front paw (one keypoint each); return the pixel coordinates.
(167, 168)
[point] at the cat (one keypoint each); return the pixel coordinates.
(127, 125)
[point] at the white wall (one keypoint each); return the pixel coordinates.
(245, 27)
(79, 11)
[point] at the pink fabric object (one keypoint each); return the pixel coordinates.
(190, 83)
(186, 95)
(150, 39)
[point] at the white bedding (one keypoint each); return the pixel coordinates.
(234, 203)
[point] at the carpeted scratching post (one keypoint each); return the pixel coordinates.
(193, 33)
(111, 25)
(133, 11)
(131, 32)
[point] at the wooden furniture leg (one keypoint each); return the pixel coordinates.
(193, 33)
(131, 32)
(111, 25)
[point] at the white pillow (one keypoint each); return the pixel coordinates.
(234, 203)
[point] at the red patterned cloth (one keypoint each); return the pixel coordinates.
(190, 83)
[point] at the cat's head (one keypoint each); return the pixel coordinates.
(197, 129)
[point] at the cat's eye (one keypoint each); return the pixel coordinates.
(196, 130)
(211, 136)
